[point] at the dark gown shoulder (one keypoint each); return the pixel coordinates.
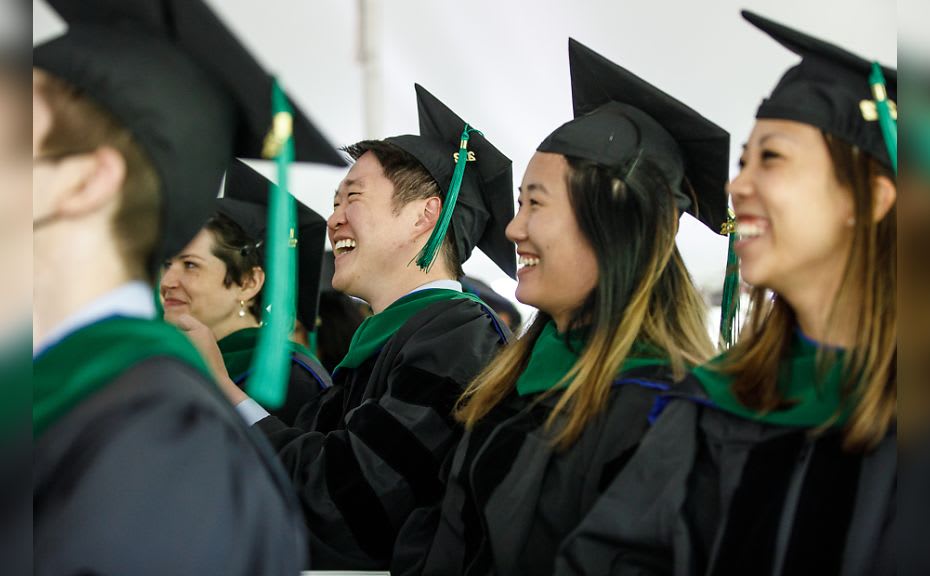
(710, 492)
(511, 496)
(156, 474)
(792, 502)
(307, 381)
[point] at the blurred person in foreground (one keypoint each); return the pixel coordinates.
(140, 465)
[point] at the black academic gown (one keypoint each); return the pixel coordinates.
(306, 381)
(712, 493)
(371, 453)
(156, 474)
(512, 497)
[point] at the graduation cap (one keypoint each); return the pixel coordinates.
(327, 271)
(190, 93)
(620, 118)
(829, 89)
(245, 201)
(487, 294)
(479, 193)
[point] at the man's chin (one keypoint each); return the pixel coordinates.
(349, 289)
(342, 282)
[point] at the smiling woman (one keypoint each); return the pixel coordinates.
(207, 281)
(556, 415)
(218, 279)
(558, 266)
(794, 218)
(822, 220)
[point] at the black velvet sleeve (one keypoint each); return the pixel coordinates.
(359, 479)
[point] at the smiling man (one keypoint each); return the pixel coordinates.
(369, 457)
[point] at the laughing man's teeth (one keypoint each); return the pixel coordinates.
(525, 261)
(345, 245)
(748, 230)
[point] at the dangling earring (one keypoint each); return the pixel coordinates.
(241, 308)
(851, 221)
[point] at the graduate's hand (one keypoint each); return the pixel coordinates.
(203, 339)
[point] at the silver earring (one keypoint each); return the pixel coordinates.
(241, 308)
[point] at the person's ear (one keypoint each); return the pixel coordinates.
(252, 284)
(90, 181)
(428, 216)
(885, 194)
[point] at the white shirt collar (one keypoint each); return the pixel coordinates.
(444, 284)
(133, 300)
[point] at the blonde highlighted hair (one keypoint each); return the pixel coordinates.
(643, 294)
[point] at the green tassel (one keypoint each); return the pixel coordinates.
(427, 255)
(729, 305)
(887, 122)
(270, 365)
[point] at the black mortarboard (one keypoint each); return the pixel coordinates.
(245, 200)
(485, 200)
(828, 89)
(190, 93)
(620, 117)
(327, 271)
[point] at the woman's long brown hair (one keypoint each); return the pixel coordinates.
(643, 293)
(868, 287)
